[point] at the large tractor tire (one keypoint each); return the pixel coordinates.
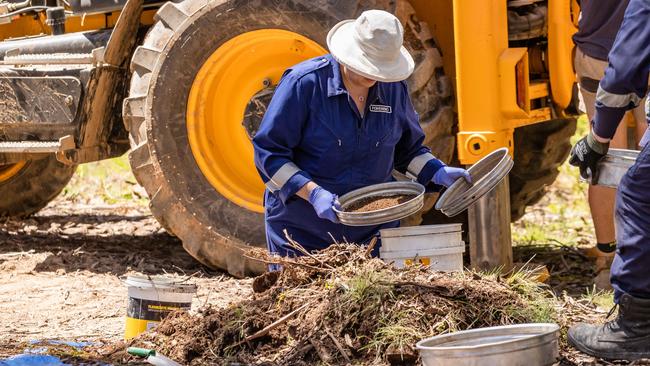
(540, 149)
(28, 186)
(200, 84)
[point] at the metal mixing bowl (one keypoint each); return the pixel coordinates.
(614, 166)
(512, 345)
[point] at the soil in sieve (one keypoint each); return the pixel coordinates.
(377, 203)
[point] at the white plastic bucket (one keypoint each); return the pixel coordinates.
(421, 237)
(438, 246)
(151, 298)
(444, 259)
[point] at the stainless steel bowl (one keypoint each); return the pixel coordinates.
(512, 345)
(614, 165)
(384, 215)
(486, 174)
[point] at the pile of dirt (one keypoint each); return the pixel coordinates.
(378, 203)
(340, 306)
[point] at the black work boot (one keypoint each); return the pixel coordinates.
(625, 338)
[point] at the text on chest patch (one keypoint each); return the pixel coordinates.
(380, 108)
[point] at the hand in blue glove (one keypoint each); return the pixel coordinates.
(447, 175)
(324, 202)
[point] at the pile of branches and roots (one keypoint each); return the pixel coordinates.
(339, 306)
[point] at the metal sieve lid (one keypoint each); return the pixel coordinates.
(486, 174)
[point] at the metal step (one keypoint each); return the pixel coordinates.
(14, 57)
(18, 147)
(63, 59)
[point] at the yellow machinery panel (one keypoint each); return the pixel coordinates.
(492, 85)
(561, 26)
(480, 29)
(23, 26)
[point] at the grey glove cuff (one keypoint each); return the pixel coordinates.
(595, 145)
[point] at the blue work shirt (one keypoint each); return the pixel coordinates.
(625, 82)
(312, 130)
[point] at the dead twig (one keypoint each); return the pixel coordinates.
(371, 246)
(564, 262)
(212, 351)
(284, 262)
(179, 269)
(275, 324)
(319, 351)
(17, 254)
(575, 251)
(332, 237)
(337, 344)
(304, 251)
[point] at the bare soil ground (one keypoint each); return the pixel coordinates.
(61, 270)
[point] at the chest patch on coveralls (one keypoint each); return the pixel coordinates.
(381, 108)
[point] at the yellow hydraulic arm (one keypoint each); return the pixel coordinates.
(494, 91)
(493, 88)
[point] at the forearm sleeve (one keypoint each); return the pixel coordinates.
(626, 79)
(279, 133)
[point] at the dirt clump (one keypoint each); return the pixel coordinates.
(339, 306)
(377, 203)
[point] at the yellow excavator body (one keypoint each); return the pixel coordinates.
(477, 82)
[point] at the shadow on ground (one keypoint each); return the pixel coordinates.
(94, 242)
(570, 269)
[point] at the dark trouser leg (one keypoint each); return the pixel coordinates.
(628, 336)
(631, 266)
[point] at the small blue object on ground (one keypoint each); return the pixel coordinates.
(36, 354)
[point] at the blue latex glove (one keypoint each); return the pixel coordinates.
(447, 175)
(324, 202)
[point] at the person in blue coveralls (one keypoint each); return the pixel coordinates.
(622, 88)
(337, 123)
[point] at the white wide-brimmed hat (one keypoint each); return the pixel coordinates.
(371, 46)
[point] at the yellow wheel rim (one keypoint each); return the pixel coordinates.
(234, 74)
(9, 170)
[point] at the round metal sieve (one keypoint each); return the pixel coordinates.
(386, 214)
(486, 174)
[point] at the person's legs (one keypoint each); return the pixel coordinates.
(628, 336)
(630, 269)
(601, 203)
(601, 199)
(640, 118)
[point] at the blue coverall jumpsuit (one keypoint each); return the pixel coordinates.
(624, 85)
(312, 130)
